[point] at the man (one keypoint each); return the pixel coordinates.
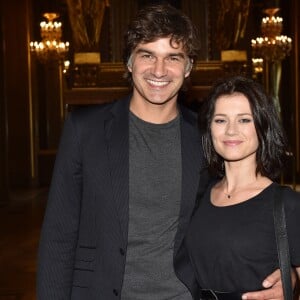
(126, 178)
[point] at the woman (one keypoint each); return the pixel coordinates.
(230, 243)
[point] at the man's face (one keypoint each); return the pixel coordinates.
(158, 71)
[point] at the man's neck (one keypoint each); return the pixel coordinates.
(155, 113)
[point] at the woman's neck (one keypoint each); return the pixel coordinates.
(239, 184)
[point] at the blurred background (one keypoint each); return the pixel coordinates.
(57, 55)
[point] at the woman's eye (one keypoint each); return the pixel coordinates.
(219, 121)
(245, 120)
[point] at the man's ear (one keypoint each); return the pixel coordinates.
(129, 64)
(189, 67)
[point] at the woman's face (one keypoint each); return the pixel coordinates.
(232, 129)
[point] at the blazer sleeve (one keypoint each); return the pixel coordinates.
(61, 221)
(184, 271)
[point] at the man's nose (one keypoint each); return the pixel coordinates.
(159, 68)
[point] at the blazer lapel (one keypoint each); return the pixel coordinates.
(194, 181)
(192, 162)
(116, 130)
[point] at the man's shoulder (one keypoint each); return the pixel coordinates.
(189, 114)
(90, 113)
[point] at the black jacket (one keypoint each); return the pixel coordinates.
(83, 242)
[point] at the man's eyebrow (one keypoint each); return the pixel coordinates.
(180, 54)
(142, 50)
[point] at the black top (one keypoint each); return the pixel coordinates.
(233, 248)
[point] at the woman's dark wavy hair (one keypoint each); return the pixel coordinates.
(160, 21)
(272, 149)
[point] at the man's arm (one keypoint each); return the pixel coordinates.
(297, 287)
(273, 287)
(60, 226)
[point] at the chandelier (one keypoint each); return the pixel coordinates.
(272, 46)
(51, 48)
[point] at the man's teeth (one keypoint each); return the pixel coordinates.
(158, 83)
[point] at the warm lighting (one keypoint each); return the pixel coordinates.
(272, 46)
(51, 48)
(66, 66)
(257, 65)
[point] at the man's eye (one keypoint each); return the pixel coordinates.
(147, 56)
(174, 59)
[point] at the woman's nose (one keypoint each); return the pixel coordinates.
(231, 128)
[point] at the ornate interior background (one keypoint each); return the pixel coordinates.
(34, 96)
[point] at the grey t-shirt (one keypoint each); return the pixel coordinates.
(154, 203)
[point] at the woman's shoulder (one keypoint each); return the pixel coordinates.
(290, 196)
(288, 191)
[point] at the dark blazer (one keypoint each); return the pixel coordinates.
(83, 242)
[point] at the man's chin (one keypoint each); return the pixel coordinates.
(161, 100)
